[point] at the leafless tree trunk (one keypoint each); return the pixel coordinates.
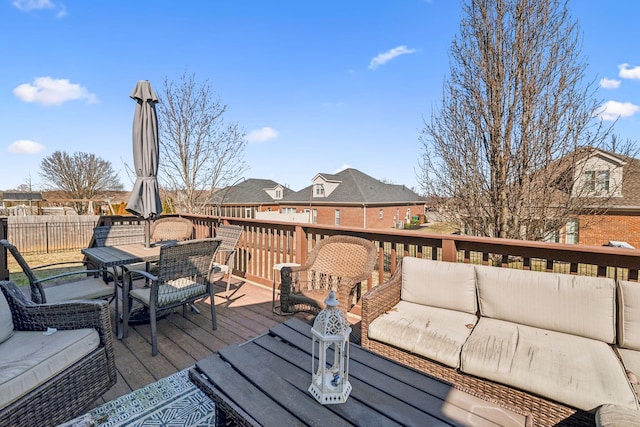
(200, 152)
(515, 124)
(81, 176)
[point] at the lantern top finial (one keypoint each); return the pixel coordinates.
(331, 321)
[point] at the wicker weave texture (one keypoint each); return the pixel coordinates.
(118, 234)
(544, 412)
(171, 228)
(338, 263)
(69, 393)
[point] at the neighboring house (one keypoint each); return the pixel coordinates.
(245, 199)
(351, 198)
(613, 176)
(13, 198)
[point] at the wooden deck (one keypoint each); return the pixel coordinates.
(244, 315)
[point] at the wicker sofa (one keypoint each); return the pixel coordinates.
(545, 343)
(49, 378)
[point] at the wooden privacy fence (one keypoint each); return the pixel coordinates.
(50, 233)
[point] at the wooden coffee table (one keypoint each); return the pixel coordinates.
(264, 382)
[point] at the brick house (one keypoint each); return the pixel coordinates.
(349, 198)
(615, 176)
(353, 199)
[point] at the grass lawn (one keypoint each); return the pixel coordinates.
(16, 275)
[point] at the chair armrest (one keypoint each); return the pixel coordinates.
(73, 273)
(378, 301)
(76, 314)
(39, 267)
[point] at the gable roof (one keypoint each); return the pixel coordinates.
(355, 187)
(250, 191)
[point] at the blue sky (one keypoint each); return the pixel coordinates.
(317, 85)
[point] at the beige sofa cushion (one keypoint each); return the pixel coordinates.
(6, 319)
(631, 362)
(28, 359)
(90, 288)
(615, 416)
(435, 333)
(439, 284)
(579, 372)
(629, 314)
(577, 305)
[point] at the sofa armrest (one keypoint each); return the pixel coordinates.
(379, 300)
(28, 316)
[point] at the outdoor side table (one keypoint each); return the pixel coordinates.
(276, 272)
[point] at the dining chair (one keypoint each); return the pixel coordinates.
(229, 235)
(184, 276)
(339, 263)
(171, 228)
(64, 287)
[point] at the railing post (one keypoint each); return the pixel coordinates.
(4, 268)
(301, 245)
(449, 250)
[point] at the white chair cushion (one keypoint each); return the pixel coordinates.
(615, 416)
(173, 292)
(29, 359)
(440, 284)
(577, 305)
(629, 314)
(6, 319)
(90, 288)
(435, 333)
(579, 372)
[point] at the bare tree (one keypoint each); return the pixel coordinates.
(81, 176)
(200, 151)
(516, 123)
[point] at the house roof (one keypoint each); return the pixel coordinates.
(355, 187)
(20, 196)
(250, 191)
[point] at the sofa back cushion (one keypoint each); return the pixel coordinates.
(578, 305)
(629, 315)
(440, 284)
(6, 320)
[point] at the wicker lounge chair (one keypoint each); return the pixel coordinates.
(337, 262)
(184, 276)
(67, 287)
(59, 396)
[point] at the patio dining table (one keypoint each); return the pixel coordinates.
(113, 256)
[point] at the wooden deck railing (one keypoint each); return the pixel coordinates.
(265, 243)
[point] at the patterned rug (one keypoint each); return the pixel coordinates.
(173, 401)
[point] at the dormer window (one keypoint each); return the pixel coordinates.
(596, 181)
(319, 190)
(278, 194)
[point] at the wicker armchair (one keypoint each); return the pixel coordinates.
(336, 263)
(68, 285)
(184, 276)
(171, 228)
(70, 392)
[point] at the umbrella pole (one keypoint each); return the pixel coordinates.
(147, 233)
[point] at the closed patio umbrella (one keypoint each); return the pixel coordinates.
(144, 201)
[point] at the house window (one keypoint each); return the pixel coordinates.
(596, 181)
(337, 221)
(278, 194)
(315, 216)
(572, 231)
(380, 214)
(319, 190)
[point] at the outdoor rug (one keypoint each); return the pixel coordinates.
(173, 401)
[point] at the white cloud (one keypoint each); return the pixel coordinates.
(387, 56)
(262, 134)
(629, 73)
(612, 110)
(24, 146)
(29, 5)
(49, 91)
(609, 83)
